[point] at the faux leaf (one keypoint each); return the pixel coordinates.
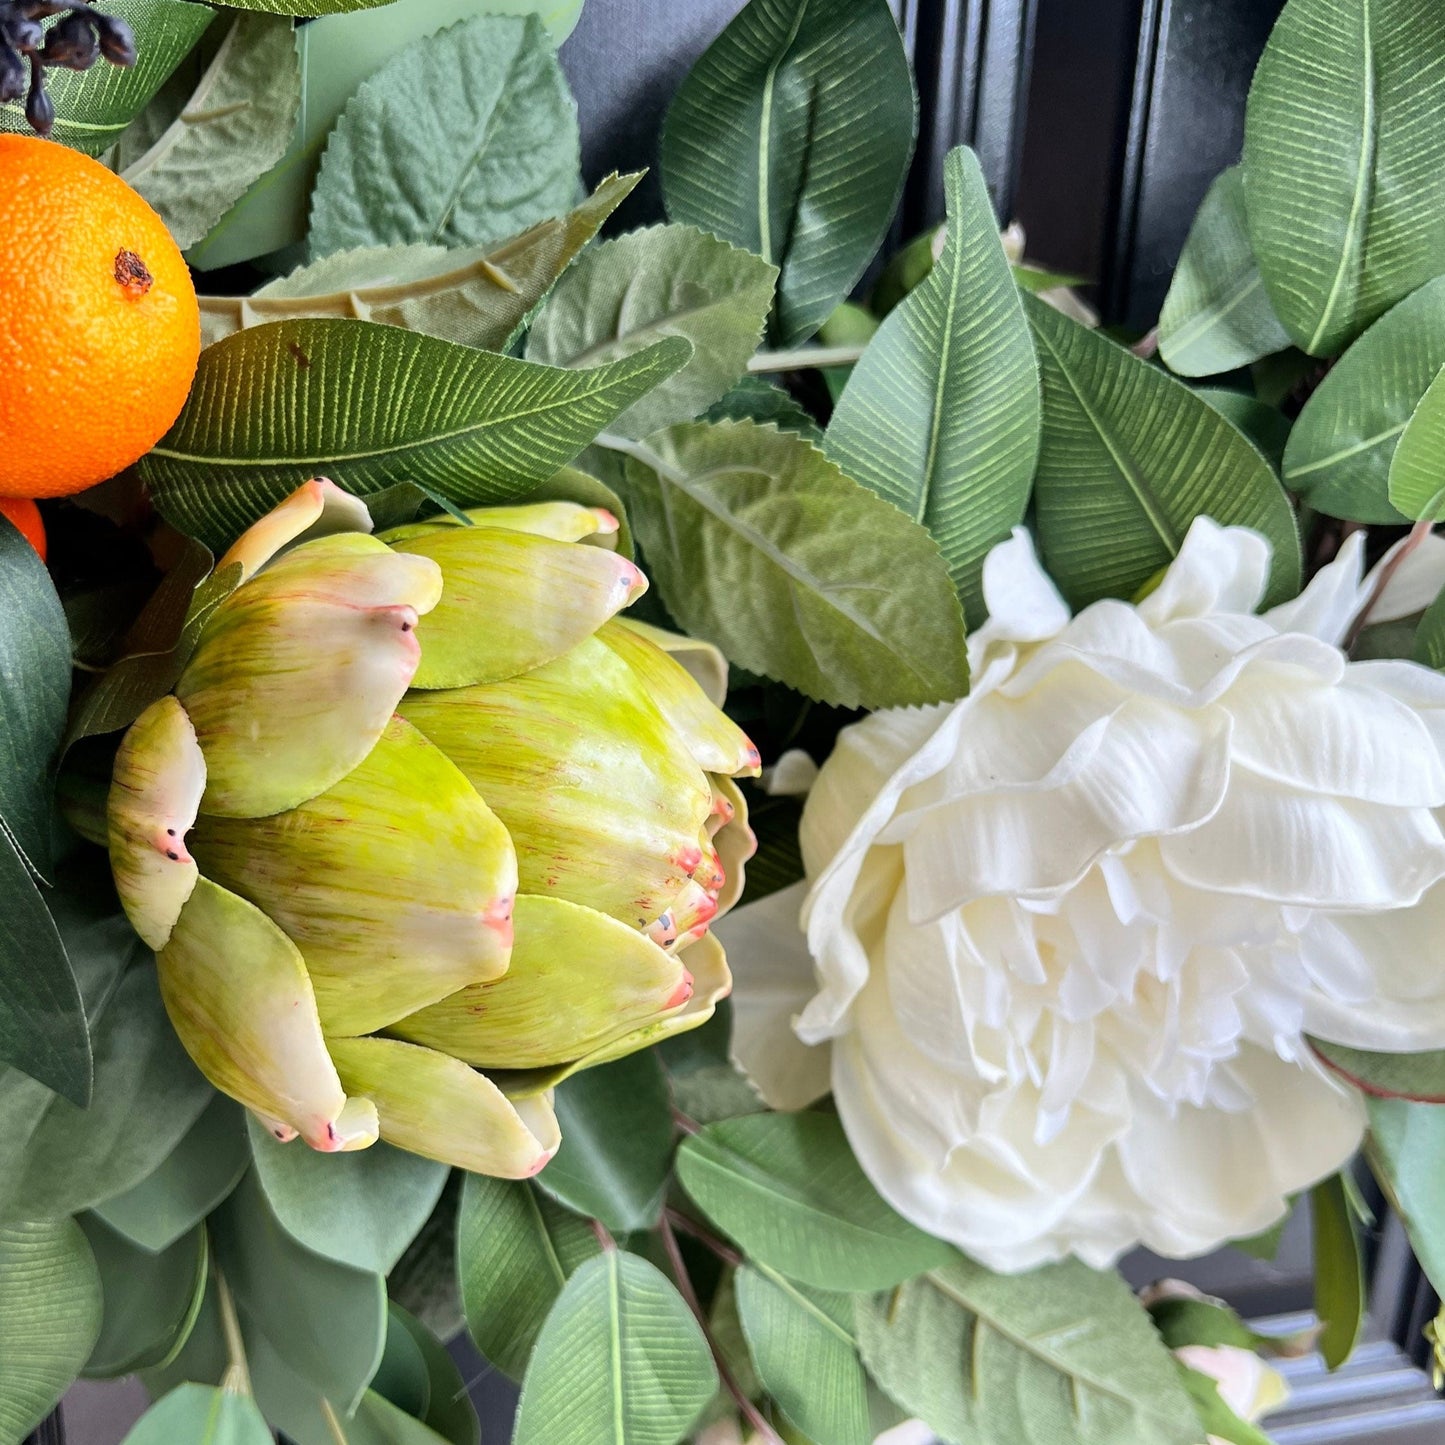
(359, 403)
(464, 138)
(1266, 426)
(1344, 162)
(621, 1358)
(1430, 635)
(1217, 315)
(761, 545)
(1417, 470)
(649, 284)
(1130, 457)
(754, 398)
(1339, 1272)
(941, 415)
(1388, 1076)
(1405, 1146)
(201, 1415)
(791, 138)
(305, 7)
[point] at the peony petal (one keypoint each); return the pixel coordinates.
(1333, 599)
(1023, 603)
(1414, 584)
(1218, 569)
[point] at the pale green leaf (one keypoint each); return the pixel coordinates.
(791, 138)
(1419, 1076)
(941, 415)
(201, 1415)
(1417, 470)
(1429, 647)
(1339, 1272)
(1405, 1146)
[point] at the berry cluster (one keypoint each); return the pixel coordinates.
(76, 41)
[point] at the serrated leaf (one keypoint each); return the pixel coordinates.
(201, 1415)
(235, 127)
(1130, 457)
(621, 1359)
(516, 1249)
(662, 281)
(761, 545)
(359, 403)
(1217, 315)
(788, 1189)
(1339, 453)
(941, 414)
(791, 138)
(476, 297)
(463, 139)
(1405, 1145)
(754, 398)
(1344, 162)
(1339, 1272)
(1417, 470)
(1062, 1353)
(93, 107)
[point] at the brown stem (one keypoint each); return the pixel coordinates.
(1418, 533)
(1147, 345)
(684, 1122)
(705, 1237)
(603, 1237)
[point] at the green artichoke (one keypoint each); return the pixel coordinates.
(425, 827)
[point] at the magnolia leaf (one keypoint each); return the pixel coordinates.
(1217, 315)
(941, 415)
(49, 1317)
(1429, 646)
(1417, 470)
(1130, 457)
(1344, 162)
(93, 107)
(649, 284)
(464, 138)
(621, 1358)
(761, 545)
(361, 1208)
(235, 127)
(477, 297)
(1339, 453)
(1266, 426)
(1062, 1353)
(791, 138)
(1388, 1076)
(1339, 1272)
(787, 1188)
(1405, 1145)
(201, 1415)
(359, 403)
(449, 1411)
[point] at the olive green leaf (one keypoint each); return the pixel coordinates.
(1217, 315)
(1344, 162)
(1429, 647)
(1418, 1076)
(201, 1415)
(1417, 470)
(941, 415)
(305, 7)
(1339, 1272)
(791, 138)
(464, 138)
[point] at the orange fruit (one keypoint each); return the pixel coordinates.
(25, 516)
(99, 327)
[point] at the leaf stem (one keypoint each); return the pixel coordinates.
(238, 1373)
(333, 1425)
(604, 1238)
(1418, 533)
(803, 357)
(676, 1219)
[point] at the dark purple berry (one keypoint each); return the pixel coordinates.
(12, 75)
(117, 40)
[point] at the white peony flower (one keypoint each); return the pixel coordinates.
(1068, 935)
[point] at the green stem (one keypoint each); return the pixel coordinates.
(238, 1374)
(804, 357)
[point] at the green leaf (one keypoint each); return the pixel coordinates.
(616, 1144)
(787, 1188)
(806, 1356)
(201, 1415)
(941, 415)
(1429, 646)
(234, 128)
(1417, 470)
(621, 1359)
(515, 1252)
(1388, 1076)
(463, 139)
(361, 1208)
(1062, 1353)
(753, 398)
(1130, 458)
(49, 1318)
(1339, 1272)
(449, 1410)
(477, 297)
(305, 7)
(1405, 1145)
(1217, 315)
(1266, 426)
(1339, 453)
(359, 403)
(1214, 1415)
(761, 545)
(92, 107)
(791, 138)
(1344, 162)
(649, 284)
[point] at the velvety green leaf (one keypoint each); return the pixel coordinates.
(616, 1144)
(1130, 458)
(1266, 426)
(1217, 315)
(464, 138)
(1417, 470)
(787, 1188)
(361, 1208)
(650, 284)
(1339, 453)
(201, 1415)
(806, 1356)
(1344, 162)
(754, 398)
(621, 1358)
(1062, 1353)
(49, 1318)
(761, 545)
(791, 138)
(1405, 1145)
(941, 415)
(92, 107)
(234, 128)
(1339, 1272)
(516, 1249)
(359, 403)
(1388, 1076)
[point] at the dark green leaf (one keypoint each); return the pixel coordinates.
(755, 399)
(449, 1410)
(1214, 1415)
(201, 1415)
(1266, 426)
(1339, 1272)
(1417, 470)
(305, 7)
(1430, 637)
